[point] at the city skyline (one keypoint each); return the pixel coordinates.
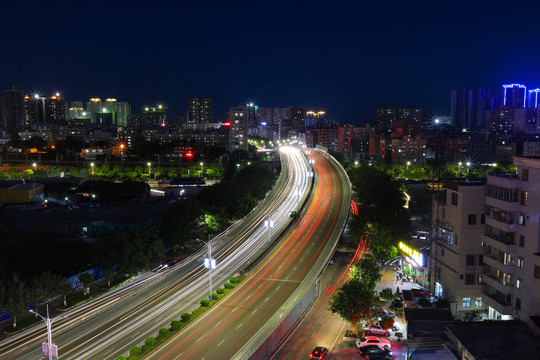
(346, 58)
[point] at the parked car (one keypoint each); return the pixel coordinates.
(373, 340)
(384, 313)
(380, 354)
(372, 350)
(420, 292)
(397, 303)
(319, 353)
(375, 330)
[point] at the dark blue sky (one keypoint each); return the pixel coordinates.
(345, 57)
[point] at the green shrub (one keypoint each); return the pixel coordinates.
(185, 317)
(235, 280)
(135, 351)
(228, 285)
(120, 358)
(164, 332)
(205, 302)
(215, 296)
(176, 325)
(150, 341)
(220, 290)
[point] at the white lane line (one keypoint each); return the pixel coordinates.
(222, 341)
(254, 312)
(265, 300)
(238, 327)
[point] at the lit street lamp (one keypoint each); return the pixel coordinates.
(356, 163)
(51, 349)
(92, 165)
(468, 165)
(209, 263)
(202, 173)
(122, 154)
(149, 170)
(459, 168)
(408, 164)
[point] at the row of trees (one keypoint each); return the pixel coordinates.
(448, 171)
(215, 207)
(114, 172)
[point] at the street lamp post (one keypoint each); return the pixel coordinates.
(408, 164)
(459, 169)
(202, 173)
(269, 224)
(92, 165)
(468, 165)
(122, 154)
(149, 170)
(209, 263)
(48, 322)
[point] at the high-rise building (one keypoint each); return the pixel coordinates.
(199, 112)
(297, 117)
(457, 254)
(34, 110)
(238, 131)
(314, 118)
(385, 119)
(533, 98)
(514, 95)
(264, 116)
(411, 119)
(468, 108)
(252, 115)
(55, 110)
(279, 114)
(93, 107)
(507, 121)
(124, 110)
(512, 242)
(13, 109)
(75, 110)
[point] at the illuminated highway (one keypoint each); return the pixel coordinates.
(226, 330)
(110, 325)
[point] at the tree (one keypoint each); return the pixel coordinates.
(15, 299)
(386, 294)
(109, 273)
(386, 323)
(353, 302)
(370, 272)
(86, 279)
(473, 315)
(65, 289)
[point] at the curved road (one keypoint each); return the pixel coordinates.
(223, 331)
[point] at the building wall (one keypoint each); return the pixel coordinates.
(459, 252)
(20, 194)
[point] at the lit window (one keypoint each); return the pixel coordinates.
(466, 302)
(478, 302)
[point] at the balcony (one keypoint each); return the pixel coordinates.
(513, 206)
(495, 283)
(498, 263)
(502, 240)
(497, 301)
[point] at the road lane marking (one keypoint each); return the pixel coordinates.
(265, 300)
(238, 327)
(254, 312)
(222, 341)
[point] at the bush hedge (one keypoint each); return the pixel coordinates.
(136, 353)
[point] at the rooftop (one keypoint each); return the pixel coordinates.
(494, 340)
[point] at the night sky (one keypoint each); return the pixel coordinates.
(347, 58)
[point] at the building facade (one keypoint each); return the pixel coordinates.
(456, 251)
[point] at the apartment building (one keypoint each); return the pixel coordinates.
(456, 251)
(512, 242)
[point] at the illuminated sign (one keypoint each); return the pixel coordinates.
(415, 255)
